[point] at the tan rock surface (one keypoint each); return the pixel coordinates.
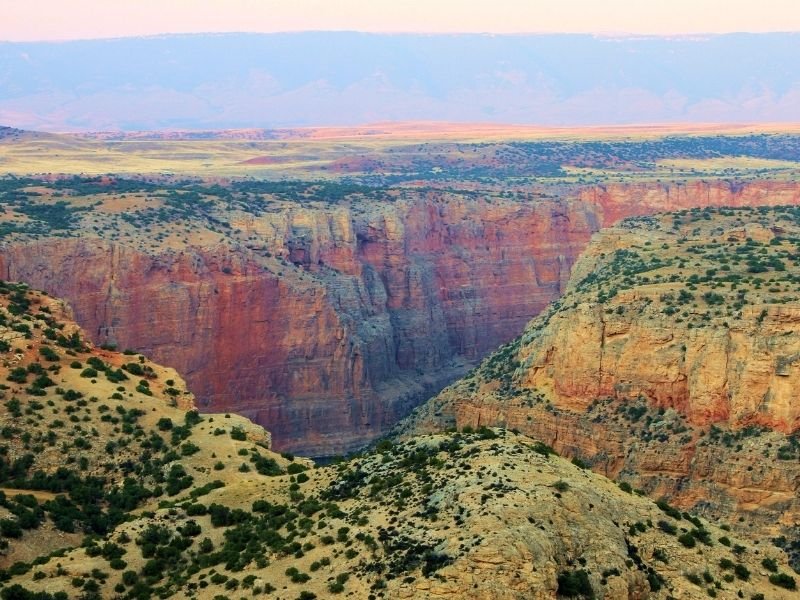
(471, 518)
(691, 399)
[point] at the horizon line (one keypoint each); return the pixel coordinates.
(595, 34)
(432, 126)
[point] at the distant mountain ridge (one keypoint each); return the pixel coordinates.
(340, 78)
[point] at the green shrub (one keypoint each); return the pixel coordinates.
(694, 578)
(10, 528)
(49, 354)
(770, 564)
(783, 580)
(672, 512)
(741, 572)
(580, 463)
(134, 369)
(18, 375)
(574, 584)
(188, 449)
(667, 527)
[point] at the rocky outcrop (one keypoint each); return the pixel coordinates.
(618, 201)
(484, 515)
(719, 474)
(694, 325)
(670, 362)
(744, 374)
(327, 323)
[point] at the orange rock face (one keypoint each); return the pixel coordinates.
(682, 381)
(726, 355)
(617, 201)
(383, 304)
(741, 375)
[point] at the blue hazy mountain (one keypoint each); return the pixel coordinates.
(327, 78)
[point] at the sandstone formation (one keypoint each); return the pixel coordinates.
(327, 323)
(670, 362)
(113, 486)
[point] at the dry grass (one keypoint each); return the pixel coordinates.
(311, 153)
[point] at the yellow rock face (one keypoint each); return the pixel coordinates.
(672, 360)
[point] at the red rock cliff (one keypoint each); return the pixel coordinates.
(382, 304)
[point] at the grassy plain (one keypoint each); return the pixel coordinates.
(420, 151)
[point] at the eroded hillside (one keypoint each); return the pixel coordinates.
(469, 516)
(82, 430)
(669, 363)
(114, 487)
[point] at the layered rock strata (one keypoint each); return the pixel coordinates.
(327, 323)
(671, 362)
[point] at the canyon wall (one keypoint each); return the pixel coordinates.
(378, 306)
(682, 381)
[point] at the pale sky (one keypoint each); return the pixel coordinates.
(22, 20)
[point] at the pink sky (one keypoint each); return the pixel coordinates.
(75, 19)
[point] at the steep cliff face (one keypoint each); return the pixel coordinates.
(671, 361)
(327, 323)
(695, 312)
(618, 201)
(744, 374)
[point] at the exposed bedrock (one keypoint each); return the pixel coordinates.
(378, 307)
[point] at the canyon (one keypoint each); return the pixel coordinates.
(327, 323)
(271, 328)
(137, 495)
